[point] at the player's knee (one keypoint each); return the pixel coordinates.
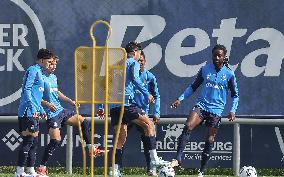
(28, 133)
(81, 118)
(55, 134)
(27, 143)
(211, 139)
(74, 120)
(58, 138)
(189, 126)
(119, 145)
(34, 134)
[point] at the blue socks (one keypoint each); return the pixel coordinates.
(146, 152)
(150, 142)
(205, 155)
(32, 153)
(118, 157)
(182, 141)
(86, 131)
(24, 150)
(53, 144)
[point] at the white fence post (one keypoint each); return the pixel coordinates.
(69, 149)
(236, 150)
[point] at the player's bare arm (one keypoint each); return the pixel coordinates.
(49, 105)
(151, 99)
(63, 97)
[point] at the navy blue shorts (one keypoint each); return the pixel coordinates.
(210, 119)
(138, 128)
(59, 120)
(131, 112)
(28, 123)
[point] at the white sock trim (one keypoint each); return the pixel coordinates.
(153, 154)
(31, 170)
(20, 169)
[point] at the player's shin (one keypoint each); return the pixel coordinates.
(182, 141)
(32, 156)
(53, 144)
(146, 152)
(118, 158)
(150, 144)
(93, 150)
(86, 131)
(24, 151)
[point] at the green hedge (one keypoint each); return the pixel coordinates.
(141, 171)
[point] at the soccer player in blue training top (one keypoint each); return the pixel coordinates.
(132, 113)
(57, 117)
(30, 110)
(149, 81)
(215, 80)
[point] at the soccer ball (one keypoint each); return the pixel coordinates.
(248, 171)
(166, 171)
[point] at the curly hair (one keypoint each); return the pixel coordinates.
(222, 47)
(45, 54)
(132, 46)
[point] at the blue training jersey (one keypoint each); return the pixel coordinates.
(133, 81)
(50, 94)
(149, 82)
(215, 85)
(32, 92)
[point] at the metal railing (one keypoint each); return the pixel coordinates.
(241, 119)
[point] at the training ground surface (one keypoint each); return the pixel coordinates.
(77, 175)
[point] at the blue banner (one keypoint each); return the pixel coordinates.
(177, 37)
(261, 146)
